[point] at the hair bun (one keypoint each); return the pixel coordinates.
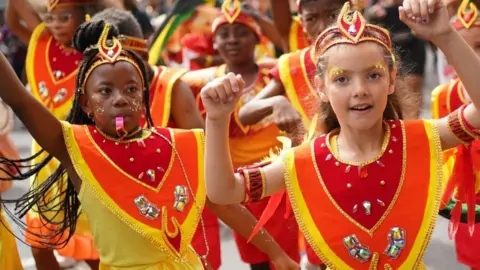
(88, 34)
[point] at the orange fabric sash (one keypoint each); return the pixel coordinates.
(297, 39)
(161, 89)
(414, 209)
(51, 72)
(121, 173)
(297, 71)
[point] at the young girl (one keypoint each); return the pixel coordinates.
(461, 165)
(236, 35)
(51, 67)
(172, 103)
(365, 194)
(143, 184)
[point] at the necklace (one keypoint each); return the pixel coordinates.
(385, 142)
(126, 139)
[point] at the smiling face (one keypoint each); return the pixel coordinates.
(356, 82)
(235, 43)
(62, 22)
(317, 15)
(113, 91)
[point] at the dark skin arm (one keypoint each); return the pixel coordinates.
(239, 219)
(21, 10)
(262, 104)
(282, 18)
(184, 110)
(44, 127)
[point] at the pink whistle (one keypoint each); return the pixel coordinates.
(120, 127)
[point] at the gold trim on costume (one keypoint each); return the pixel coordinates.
(394, 199)
(105, 156)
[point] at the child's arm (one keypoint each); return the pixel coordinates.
(432, 23)
(44, 127)
(223, 185)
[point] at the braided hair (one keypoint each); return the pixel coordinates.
(59, 211)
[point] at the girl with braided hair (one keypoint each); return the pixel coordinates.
(366, 192)
(51, 66)
(142, 183)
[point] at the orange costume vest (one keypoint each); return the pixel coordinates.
(152, 187)
(51, 70)
(161, 88)
(297, 71)
(297, 39)
(247, 143)
(376, 215)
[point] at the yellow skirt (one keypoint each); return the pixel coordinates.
(80, 246)
(9, 259)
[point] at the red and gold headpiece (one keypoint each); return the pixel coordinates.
(467, 16)
(232, 13)
(51, 4)
(351, 28)
(110, 51)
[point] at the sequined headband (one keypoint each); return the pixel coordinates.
(110, 51)
(232, 13)
(351, 28)
(467, 16)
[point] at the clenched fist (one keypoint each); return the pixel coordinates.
(221, 95)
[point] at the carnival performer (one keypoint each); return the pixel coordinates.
(158, 193)
(290, 96)
(51, 67)
(172, 103)
(9, 258)
(236, 35)
(461, 164)
(350, 222)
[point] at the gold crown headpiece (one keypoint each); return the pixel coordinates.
(110, 51)
(467, 16)
(351, 28)
(232, 13)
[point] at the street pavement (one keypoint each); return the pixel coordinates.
(440, 254)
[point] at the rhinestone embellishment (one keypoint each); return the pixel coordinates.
(181, 198)
(356, 249)
(146, 208)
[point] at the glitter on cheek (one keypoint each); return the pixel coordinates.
(136, 105)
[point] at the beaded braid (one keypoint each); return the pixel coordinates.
(66, 211)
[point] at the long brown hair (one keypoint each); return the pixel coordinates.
(399, 103)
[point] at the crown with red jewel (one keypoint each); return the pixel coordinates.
(111, 51)
(467, 16)
(351, 28)
(51, 4)
(232, 13)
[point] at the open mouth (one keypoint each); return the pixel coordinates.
(361, 108)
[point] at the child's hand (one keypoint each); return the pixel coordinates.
(220, 96)
(428, 19)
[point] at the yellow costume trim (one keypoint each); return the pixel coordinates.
(320, 246)
(63, 110)
(105, 156)
(287, 80)
(435, 99)
(434, 192)
(168, 96)
(384, 148)
(155, 236)
(292, 38)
